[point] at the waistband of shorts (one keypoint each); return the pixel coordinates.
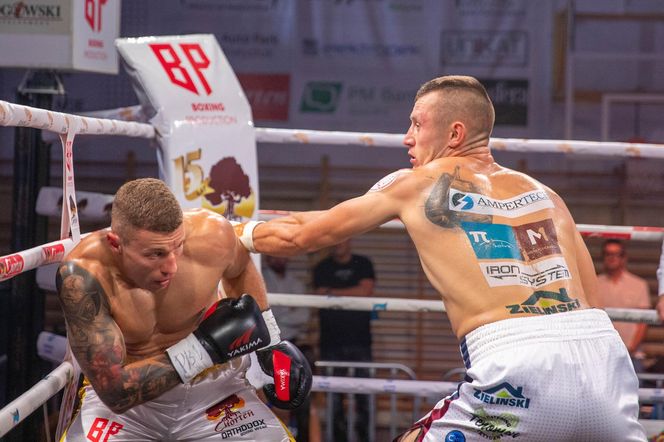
(579, 324)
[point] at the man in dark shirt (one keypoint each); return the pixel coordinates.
(345, 335)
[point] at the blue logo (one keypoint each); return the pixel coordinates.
(467, 201)
(492, 241)
(455, 436)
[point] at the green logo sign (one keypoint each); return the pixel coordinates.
(320, 97)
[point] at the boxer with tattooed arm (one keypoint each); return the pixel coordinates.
(516, 278)
(160, 351)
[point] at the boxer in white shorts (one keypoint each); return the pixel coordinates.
(541, 379)
(158, 348)
(219, 405)
(504, 253)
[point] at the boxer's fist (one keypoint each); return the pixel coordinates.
(230, 328)
(285, 375)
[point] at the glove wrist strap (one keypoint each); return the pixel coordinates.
(189, 358)
(273, 328)
(247, 235)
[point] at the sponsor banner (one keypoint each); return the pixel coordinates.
(491, 7)
(334, 33)
(505, 45)
(510, 100)
(519, 205)
(354, 103)
(268, 95)
(60, 34)
(96, 26)
(208, 146)
(35, 17)
(484, 48)
(255, 35)
(533, 275)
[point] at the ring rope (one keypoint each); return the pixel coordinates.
(25, 116)
(21, 407)
(19, 115)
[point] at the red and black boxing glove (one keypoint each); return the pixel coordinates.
(230, 328)
(283, 372)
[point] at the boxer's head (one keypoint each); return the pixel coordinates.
(147, 233)
(451, 115)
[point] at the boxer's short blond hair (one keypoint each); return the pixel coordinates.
(147, 204)
(468, 97)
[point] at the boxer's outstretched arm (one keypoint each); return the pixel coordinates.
(99, 347)
(241, 276)
(310, 231)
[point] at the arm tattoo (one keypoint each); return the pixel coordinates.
(98, 344)
(437, 207)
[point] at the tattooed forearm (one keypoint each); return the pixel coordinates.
(140, 382)
(437, 206)
(98, 345)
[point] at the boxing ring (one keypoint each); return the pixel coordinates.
(68, 126)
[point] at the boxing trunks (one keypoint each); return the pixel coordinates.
(561, 377)
(218, 405)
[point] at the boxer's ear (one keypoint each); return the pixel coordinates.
(113, 241)
(457, 134)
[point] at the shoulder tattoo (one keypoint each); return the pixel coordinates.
(81, 296)
(437, 206)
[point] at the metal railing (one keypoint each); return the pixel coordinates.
(372, 367)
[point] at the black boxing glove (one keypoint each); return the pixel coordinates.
(283, 372)
(230, 328)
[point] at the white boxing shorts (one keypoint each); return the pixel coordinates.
(560, 377)
(217, 406)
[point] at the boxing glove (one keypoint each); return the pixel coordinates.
(284, 374)
(230, 328)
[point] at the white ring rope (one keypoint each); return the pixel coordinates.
(603, 148)
(26, 116)
(21, 407)
(18, 115)
(437, 389)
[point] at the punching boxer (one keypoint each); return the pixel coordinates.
(163, 356)
(516, 278)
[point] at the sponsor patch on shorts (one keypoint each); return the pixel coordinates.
(229, 413)
(514, 207)
(455, 436)
(503, 394)
(495, 426)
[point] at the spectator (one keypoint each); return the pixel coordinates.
(620, 288)
(345, 335)
(294, 321)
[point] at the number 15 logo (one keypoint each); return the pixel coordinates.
(178, 72)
